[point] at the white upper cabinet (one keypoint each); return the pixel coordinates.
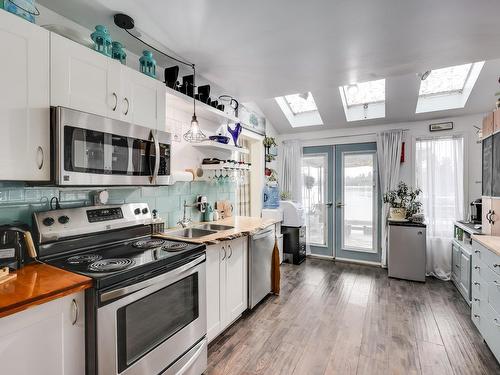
(144, 100)
(83, 79)
(24, 100)
(88, 81)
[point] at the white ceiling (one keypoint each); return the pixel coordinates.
(261, 49)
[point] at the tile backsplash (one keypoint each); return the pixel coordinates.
(18, 202)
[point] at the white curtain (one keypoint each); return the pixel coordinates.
(439, 171)
(389, 159)
(290, 173)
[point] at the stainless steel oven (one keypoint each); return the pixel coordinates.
(95, 150)
(155, 326)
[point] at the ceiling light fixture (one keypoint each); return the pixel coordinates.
(194, 134)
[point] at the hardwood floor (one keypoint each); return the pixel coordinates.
(338, 318)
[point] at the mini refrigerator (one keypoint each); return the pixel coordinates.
(406, 251)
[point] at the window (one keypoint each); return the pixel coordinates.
(364, 93)
(439, 169)
(301, 103)
(446, 80)
(363, 101)
(300, 109)
(447, 88)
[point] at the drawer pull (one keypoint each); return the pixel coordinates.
(496, 322)
(477, 267)
(476, 283)
(74, 304)
(476, 316)
(457, 265)
(496, 265)
(477, 251)
(496, 283)
(477, 300)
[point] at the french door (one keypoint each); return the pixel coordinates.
(357, 203)
(341, 201)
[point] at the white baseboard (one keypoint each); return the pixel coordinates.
(317, 256)
(364, 262)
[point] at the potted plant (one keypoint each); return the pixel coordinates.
(403, 202)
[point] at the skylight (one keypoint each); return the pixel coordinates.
(300, 109)
(365, 92)
(446, 80)
(447, 88)
(301, 103)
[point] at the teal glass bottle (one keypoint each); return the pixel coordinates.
(102, 40)
(118, 52)
(148, 64)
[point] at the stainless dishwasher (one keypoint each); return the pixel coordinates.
(259, 264)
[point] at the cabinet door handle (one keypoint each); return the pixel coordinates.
(128, 106)
(496, 322)
(456, 265)
(39, 157)
(230, 254)
(477, 300)
(496, 265)
(491, 217)
(477, 267)
(74, 304)
(224, 249)
(477, 251)
(476, 283)
(476, 316)
(496, 283)
(116, 101)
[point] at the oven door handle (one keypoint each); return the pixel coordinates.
(200, 347)
(157, 157)
(121, 292)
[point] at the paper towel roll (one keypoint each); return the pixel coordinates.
(181, 176)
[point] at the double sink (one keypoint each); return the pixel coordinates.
(200, 230)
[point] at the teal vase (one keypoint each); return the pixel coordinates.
(148, 64)
(118, 53)
(102, 40)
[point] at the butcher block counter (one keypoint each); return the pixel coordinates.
(36, 284)
(243, 226)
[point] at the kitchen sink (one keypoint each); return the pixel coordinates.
(216, 227)
(191, 232)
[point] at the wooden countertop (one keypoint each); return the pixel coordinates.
(243, 226)
(490, 242)
(36, 284)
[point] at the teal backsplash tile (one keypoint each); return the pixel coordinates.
(18, 202)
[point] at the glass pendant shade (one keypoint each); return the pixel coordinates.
(194, 134)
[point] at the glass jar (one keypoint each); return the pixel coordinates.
(147, 64)
(118, 53)
(102, 40)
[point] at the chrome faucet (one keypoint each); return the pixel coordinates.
(185, 222)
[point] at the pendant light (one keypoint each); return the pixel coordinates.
(194, 134)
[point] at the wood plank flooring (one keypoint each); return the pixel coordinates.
(338, 318)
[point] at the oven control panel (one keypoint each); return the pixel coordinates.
(104, 214)
(68, 222)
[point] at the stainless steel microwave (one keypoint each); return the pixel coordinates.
(91, 150)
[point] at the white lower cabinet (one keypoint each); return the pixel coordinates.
(227, 284)
(48, 339)
(486, 295)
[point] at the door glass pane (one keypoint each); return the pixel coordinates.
(314, 195)
(358, 192)
(146, 323)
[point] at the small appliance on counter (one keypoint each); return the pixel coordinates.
(476, 211)
(16, 246)
(294, 232)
